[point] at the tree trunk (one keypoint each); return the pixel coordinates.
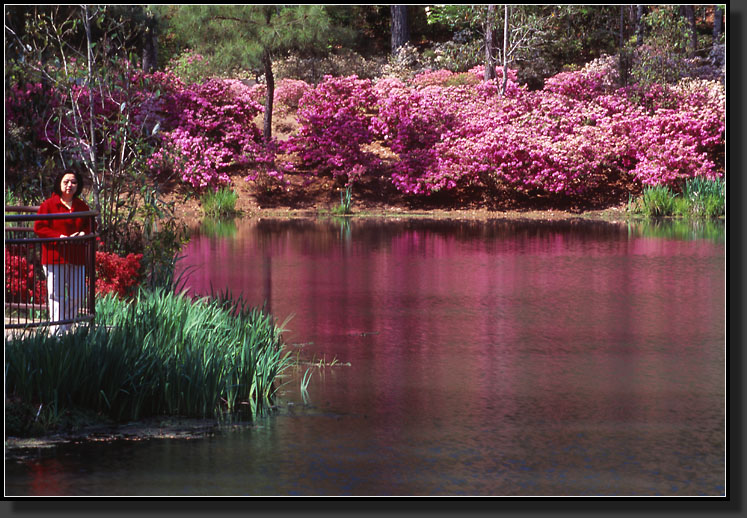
(505, 51)
(96, 181)
(718, 23)
(689, 13)
(400, 28)
(150, 50)
(490, 44)
(270, 82)
(640, 13)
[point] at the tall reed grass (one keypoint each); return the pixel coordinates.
(346, 202)
(220, 203)
(699, 198)
(161, 354)
(706, 198)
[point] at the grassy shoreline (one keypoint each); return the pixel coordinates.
(162, 355)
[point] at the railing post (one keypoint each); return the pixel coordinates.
(91, 267)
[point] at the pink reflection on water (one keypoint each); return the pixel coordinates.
(511, 337)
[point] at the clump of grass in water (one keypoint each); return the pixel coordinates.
(705, 198)
(700, 198)
(219, 203)
(162, 354)
(346, 202)
(658, 201)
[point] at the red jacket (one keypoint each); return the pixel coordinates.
(66, 252)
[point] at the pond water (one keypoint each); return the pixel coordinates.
(493, 358)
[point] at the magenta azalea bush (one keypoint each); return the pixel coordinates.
(573, 135)
(208, 130)
(335, 119)
(441, 129)
(288, 94)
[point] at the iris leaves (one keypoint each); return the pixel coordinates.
(161, 354)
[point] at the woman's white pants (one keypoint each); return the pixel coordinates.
(65, 291)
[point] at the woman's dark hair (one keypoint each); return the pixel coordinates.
(57, 189)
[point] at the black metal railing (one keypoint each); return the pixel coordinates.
(26, 289)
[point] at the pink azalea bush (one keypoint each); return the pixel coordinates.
(209, 130)
(442, 130)
(288, 94)
(567, 138)
(335, 128)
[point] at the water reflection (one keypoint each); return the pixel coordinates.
(709, 229)
(475, 358)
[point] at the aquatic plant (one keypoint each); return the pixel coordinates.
(219, 203)
(658, 201)
(706, 198)
(162, 354)
(346, 202)
(700, 198)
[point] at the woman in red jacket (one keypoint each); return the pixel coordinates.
(64, 262)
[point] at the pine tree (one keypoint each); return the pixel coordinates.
(251, 36)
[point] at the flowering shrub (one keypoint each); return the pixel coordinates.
(335, 126)
(21, 284)
(209, 130)
(288, 93)
(411, 122)
(432, 78)
(189, 66)
(565, 139)
(443, 128)
(116, 274)
(28, 105)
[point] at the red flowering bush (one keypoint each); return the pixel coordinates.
(120, 275)
(22, 285)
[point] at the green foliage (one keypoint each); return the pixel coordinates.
(163, 354)
(11, 198)
(705, 198)
(218, 228)
(339, 62)
(346, 202)
(679, 228)
(658, 201)
(219, 203)
(465, 78)
(700, 198)
(543, 39)
(661, 58)
(456, 17)
(191, 67)
(239, 36)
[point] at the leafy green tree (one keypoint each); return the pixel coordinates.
(518, 28)
(252, 36)
(667, 42)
